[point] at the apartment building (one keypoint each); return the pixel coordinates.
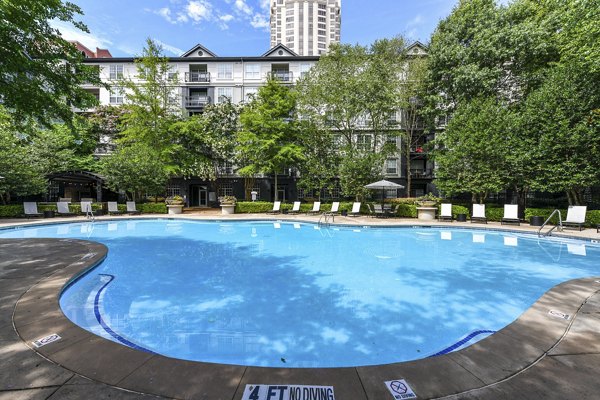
(307, 27)
(205, 78)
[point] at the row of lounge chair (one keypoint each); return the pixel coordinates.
(575, 214)
(62, 208)
(335, 207)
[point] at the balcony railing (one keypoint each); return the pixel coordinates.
(197, 77)
(421, 173)
(283, 76)
(196, 101)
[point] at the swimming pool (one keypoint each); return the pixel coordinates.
(296, 295)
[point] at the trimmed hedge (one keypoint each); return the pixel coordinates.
(261, 207)
(150, 208)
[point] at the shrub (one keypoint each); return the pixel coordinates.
(494, 213)
(152, 208)
(11, 211)
(593, 217)
(247, 207)
(456, 209)
(406, 211)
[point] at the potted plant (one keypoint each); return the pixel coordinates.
(174, 204)
(429, 200)
(227, 204)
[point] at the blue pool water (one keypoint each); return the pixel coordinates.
(294, 295)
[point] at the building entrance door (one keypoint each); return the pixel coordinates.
(198, 196)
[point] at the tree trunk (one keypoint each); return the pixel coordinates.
(407, 151)
(276, 194)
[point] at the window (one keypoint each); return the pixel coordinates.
(116, 72)
(322, 26)
(391, 166)
(323, 13)
(225, 71)
(304, 68)
(363, 142)
(116, 95)
(392, 139)
(226, 189)
(252, 71)
(322, 19)
(173, 190)
(226, 168)
(334, 192)
(391, 193)
(224, 93)
(256, 188)
(250, 93)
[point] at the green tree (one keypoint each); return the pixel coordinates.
(152, 102)
(411, 101)
(470, 154)
(353, 91)
(559, 117)
(135, 169)
(40, 72)
(319, 167)
(268, 139)
(20, 173)
(206, 141)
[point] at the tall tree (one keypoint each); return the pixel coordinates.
(471, 152)
(411, 98)
(152, 101)
(268, 139)
(40, 72)
(353, 90)
(20, 172)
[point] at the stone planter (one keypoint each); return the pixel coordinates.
(227, 209)
(426, 203)
(175, 208)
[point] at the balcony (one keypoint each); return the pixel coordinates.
(282, 76)
(421, 174)
(196, 101)
(419, 149)
(197, 77)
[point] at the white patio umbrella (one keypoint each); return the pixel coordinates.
(383, 184)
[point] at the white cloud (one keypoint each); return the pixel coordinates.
(226, 17)
(168, 48)
(265, 5)
(89, 40)
(259, 21)
(199, 10)
(241, 7)
(417, 20)
(165, 12)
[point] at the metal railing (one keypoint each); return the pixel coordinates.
(283, 76)
(197, 77)
(196, 101)
(559, 226)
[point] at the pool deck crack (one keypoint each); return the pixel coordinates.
(237, 388)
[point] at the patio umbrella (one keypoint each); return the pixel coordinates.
(383, 184)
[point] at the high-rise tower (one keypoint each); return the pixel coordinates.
(307, 27)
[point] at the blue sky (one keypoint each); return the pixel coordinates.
(237, 27)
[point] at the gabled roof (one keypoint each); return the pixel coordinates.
(279, 51)
(193, 52)
(417, 49)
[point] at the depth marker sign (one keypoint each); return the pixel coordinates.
(46, 340)
(400, 389)
(287, 392)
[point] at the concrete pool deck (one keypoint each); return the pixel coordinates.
(539, 355)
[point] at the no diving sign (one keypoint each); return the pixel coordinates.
(287, 392)
(400, 389)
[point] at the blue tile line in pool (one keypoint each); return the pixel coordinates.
(462, 342)
(105, 326)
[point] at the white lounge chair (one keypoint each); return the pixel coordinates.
(445, 212)
(575, 216)
(30, 209)
(511, 214)
(335, 208)
(295, 208)
(355, 209)
(86, 207)
(62, 208)
(113, 208)
(478, 214)
(131, 209)
(276, 208)
(316, 208)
